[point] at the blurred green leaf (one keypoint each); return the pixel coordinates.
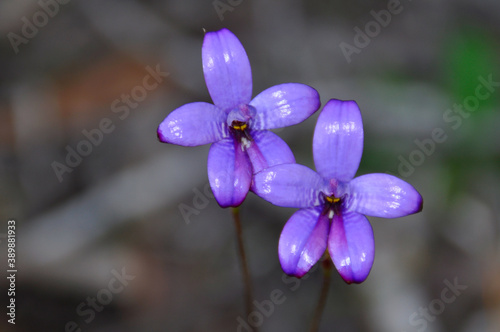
(469, 54)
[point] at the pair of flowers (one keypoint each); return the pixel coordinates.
(246, 156)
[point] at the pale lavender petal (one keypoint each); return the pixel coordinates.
(194, 124)
(338, 140)
(303, 241)
(229, 172)
(268, 149)
(351, 246)
(383, 195)
(289, 185)
(284, 105)
(227, 70)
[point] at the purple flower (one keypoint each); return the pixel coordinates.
(236, 124)
(333, 202)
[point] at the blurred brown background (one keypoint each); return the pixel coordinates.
(97, 199)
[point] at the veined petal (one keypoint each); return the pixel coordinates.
(338, 140)
(351, 246)
(194, 124)
(289, 185)
(229, 172)
(227, 70)
(268, 149)
(303, 241)
(284, 105)
(383, 195)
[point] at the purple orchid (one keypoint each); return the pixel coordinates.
(333, 202)
(236, 124)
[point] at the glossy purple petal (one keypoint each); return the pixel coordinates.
(303, 241)
(268, 149)
(351, 246)
(227, 70)
(289, 185)
(383, 195)
(284, 105)
(338, 140)
(194, 124)
(229, 172)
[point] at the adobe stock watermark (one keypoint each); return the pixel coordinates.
(265, 308)
(39, 19)
(372, 29)
(436, 307)
(454, 118)
(121, 107)
(221, 7)
(87, 309)
(201, 200)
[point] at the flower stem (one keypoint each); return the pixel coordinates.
(244, 262)
(327, 268)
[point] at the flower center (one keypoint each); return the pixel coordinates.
(240, 132)
(332, 205)
(239, 125)
(238, 122)
(332, 199)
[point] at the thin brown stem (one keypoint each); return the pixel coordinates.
(327, 267)
(244, 262)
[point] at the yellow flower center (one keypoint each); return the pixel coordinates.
(239, 126)
(332, 199)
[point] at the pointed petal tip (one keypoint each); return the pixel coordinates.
(290, 269)
(384, 196)
(162, 132)
(220, 32)
(229, 204)
(160, 136)
(193, 124)
(217, 31)
(338, 103)
(420, 203)
(294, 273)
(417, 199)
(350, 279)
